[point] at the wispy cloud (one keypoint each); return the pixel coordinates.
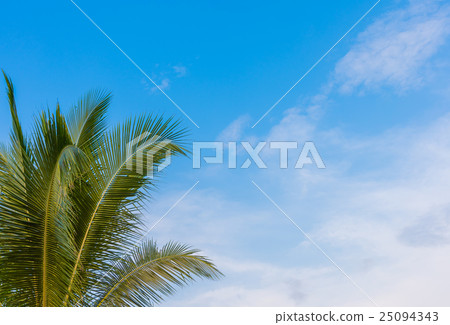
(165, 78)
(394, 50)
(180, 70)
(387, 226)
(235, 130)
(381, 208)
(165, 83)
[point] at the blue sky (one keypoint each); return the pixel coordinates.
(376, 107)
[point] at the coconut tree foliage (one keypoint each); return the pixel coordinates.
(70, 211)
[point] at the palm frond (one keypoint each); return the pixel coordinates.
(15, 231)
(106, 226)
(148, 274)
(17, 136)
(71, 198)
(87, 120)
(37, 231)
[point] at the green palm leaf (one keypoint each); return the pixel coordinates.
(148, 274)
(71, 209)
(87, 120)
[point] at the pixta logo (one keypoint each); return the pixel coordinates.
(308, 154)
(149, 154)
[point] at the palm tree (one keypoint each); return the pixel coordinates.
(70, 212)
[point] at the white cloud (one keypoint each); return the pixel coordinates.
(235, 130)
(274, 285)
(164, 79)
(295, 125)
(165, 83)
(394, 50)
(390, 233)
(180, 70)
(381, 209)
(151, 88)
